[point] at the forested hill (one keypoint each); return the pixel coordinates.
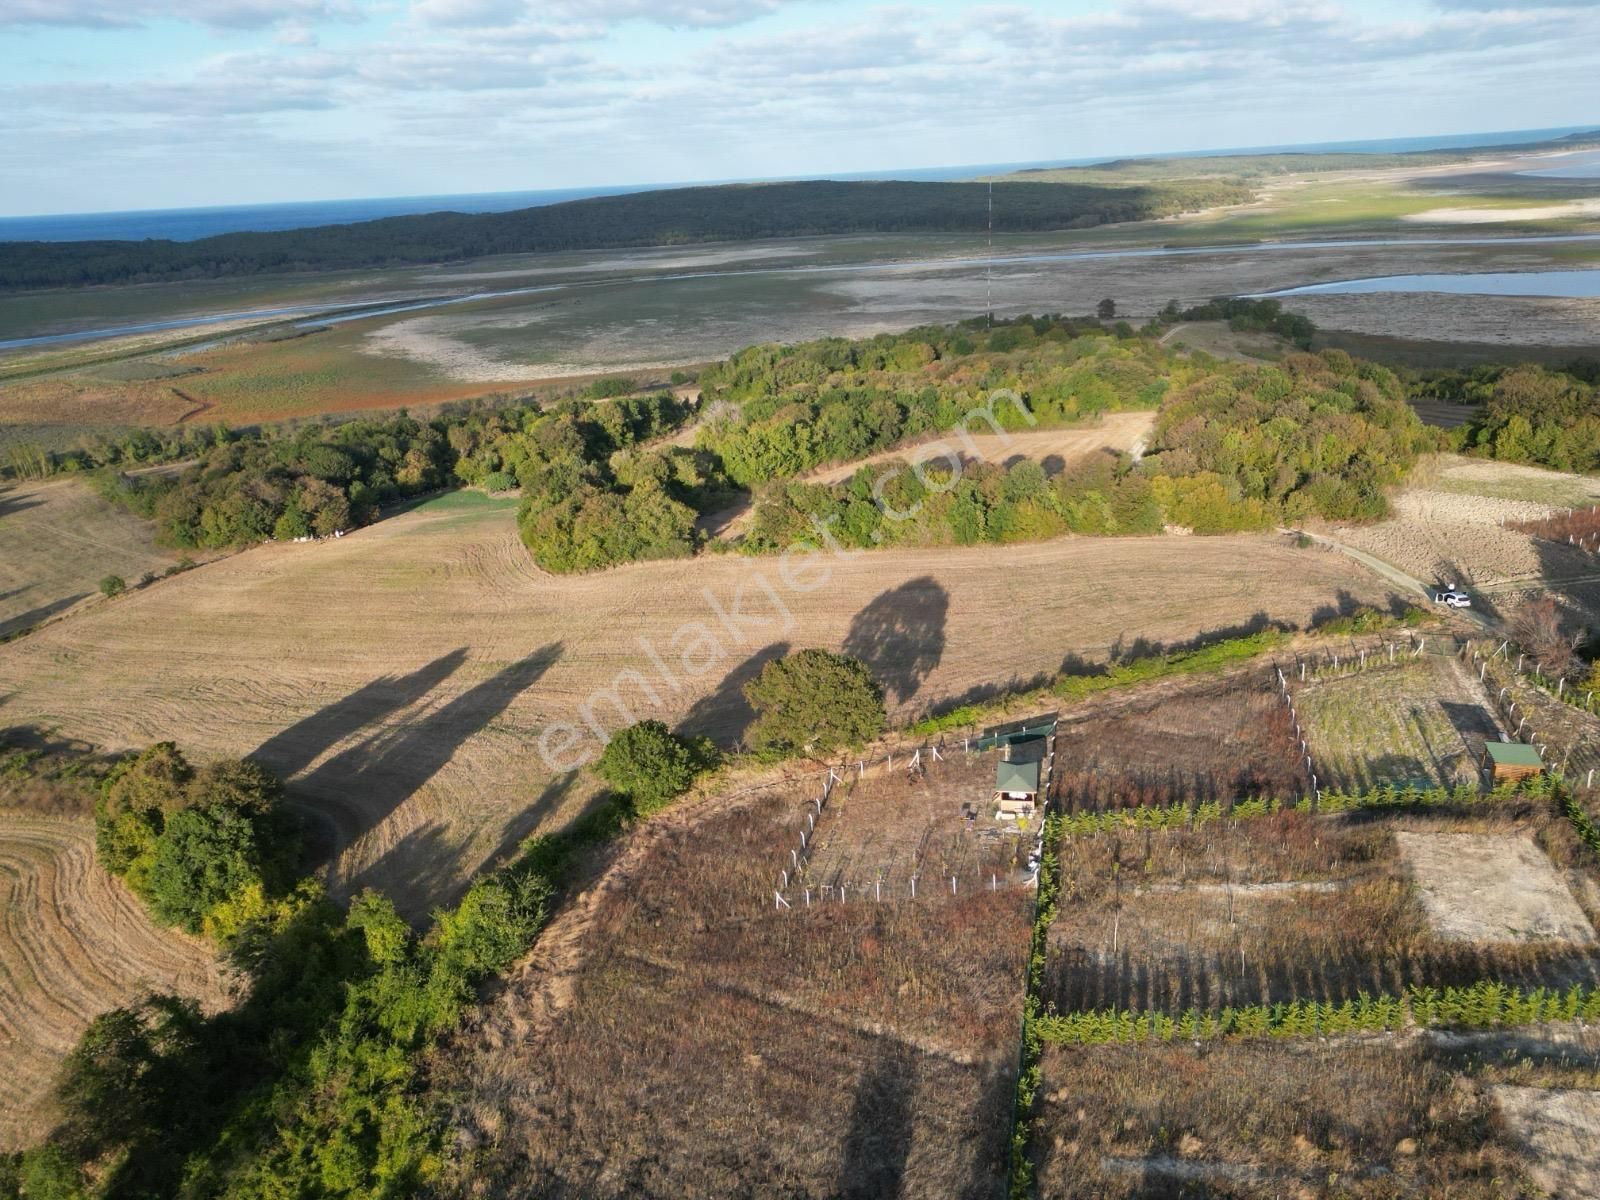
(673, 217)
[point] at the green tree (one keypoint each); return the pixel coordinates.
(813, 701)
(1106, 310)
(113, 585)
(649, 764)
(203, 856)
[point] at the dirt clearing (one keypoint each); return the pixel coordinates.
(1492, 888)
(1561, 1129)
(58, 540)
(74, 942)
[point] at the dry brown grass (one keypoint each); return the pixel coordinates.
(1262, 1121)
(402, 676)
(1206, 739)
(57, 541)
(1289, 907)
(882, 830)
(709, 1045)
(74, 942)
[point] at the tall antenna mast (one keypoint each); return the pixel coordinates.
(988, 267)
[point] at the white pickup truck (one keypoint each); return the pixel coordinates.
(1451, 597)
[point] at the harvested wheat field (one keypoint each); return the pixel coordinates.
(1055, 448)
(409, 710)
(74, 942)
(58, 540)
(695, 1040)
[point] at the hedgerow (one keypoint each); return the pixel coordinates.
(1486, 1004)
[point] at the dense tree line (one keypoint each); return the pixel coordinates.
(1235, 447)
(591, 496)
(674, 216)
(1528, 414)
(776, 411)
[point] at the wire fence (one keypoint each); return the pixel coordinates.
(797, 885)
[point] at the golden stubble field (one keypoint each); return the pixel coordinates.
(405, 676)
(58, 540)
(73, 943)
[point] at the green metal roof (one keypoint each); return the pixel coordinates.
(1513, 754)
(1017, 731)
(1016, 777)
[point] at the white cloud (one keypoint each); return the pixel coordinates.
(218, 14)
(677, 14)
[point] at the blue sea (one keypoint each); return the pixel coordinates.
(188, 224)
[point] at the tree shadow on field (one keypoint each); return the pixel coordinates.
(391, 764)
(301, 744)
(725, 715)
(879, 1139)
(11, 503)
(25, 620)
(900, 636)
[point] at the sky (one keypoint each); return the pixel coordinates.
(127, 104)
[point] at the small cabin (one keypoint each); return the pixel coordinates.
(1016, 779)
(1510, 761)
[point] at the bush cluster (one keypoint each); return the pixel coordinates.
(209, 850)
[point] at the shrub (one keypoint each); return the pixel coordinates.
(113, 585)
(649, 764)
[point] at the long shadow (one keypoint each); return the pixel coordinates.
(11, 504)
(879, 1138)
(390, 765)
(725, 715)
(297, 747)
(900, 636)
(24, 620)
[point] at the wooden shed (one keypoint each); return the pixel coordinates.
(1016, 778)
(1510, 761)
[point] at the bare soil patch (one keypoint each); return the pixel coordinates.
(1561, 1130)
(1492, 888)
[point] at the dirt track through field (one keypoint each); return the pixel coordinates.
(73, 943)
(404, 674)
